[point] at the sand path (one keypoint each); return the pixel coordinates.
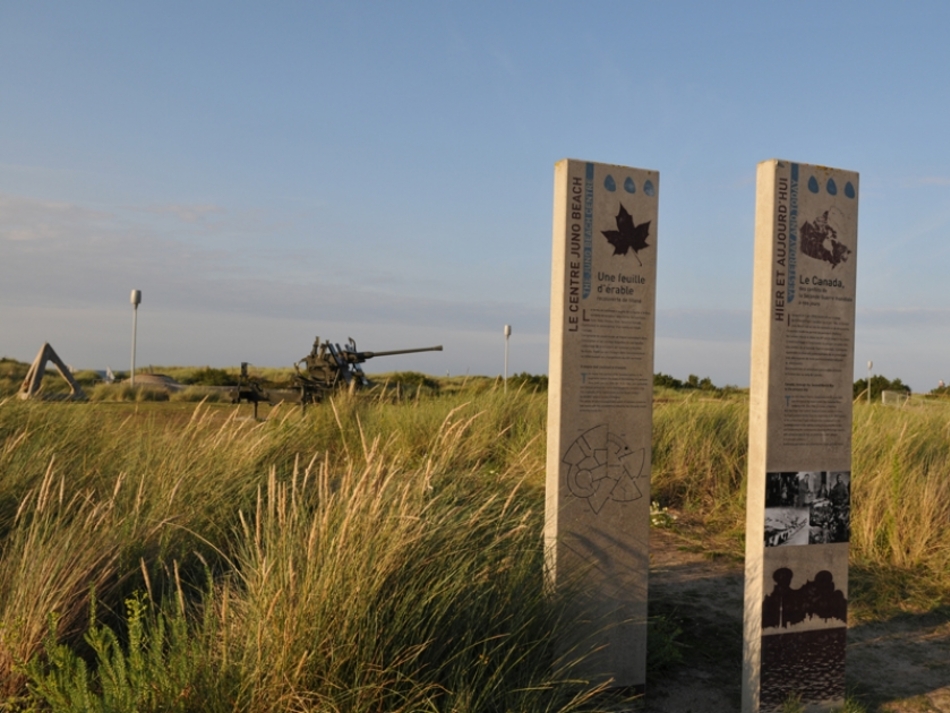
(901, 665)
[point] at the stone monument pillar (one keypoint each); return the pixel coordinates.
(799, 505)
(600, 410)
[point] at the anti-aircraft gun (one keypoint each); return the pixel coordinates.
(329, 367)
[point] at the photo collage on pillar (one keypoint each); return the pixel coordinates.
(807, 508)
(805, 603)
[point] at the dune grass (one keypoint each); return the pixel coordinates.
(375, 553)
(900, 531)
(364, 556)
(900, 490)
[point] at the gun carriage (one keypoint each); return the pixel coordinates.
(329, 367)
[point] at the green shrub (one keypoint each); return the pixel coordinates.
(209, 376)
(196, 394)
(878, 384)
(666, 381)
(156, 664)
(126, 392)
(663, 381)
(408, 380)
(529, 382)
(940, 391)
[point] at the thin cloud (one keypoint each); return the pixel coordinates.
(187, 213)
(707, 325)
(27, 219)
(63, 255)
(907, 317)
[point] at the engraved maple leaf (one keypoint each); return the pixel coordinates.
(628, 236)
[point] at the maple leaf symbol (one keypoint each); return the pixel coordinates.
(628, 236)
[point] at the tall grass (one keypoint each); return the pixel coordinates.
(365, 556)
(371, 554)
(902, 457)
(900, 490)
(900, 530)
(89, 509)
(699, 456)
(386, 588)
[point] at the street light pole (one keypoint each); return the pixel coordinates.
(507, 334)
(135, 299)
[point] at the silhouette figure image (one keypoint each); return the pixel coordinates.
(786, 606)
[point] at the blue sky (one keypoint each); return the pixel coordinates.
(265, 173)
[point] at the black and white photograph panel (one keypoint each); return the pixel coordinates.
(786, 526)
(807, 508)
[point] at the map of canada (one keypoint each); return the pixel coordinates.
(603, 467)
(820, 241)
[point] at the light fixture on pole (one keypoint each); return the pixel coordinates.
(135, 299)
(507, 334)
(870, 366)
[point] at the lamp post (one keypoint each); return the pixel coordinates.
(870, 366)
(136, 300)
(507, 334)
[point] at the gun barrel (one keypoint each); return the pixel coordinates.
(370, 355)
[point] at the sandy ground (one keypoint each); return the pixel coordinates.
(901, 665)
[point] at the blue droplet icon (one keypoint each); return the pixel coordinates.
(609, 183)
(812, 185)
(649, 189)
(832, 187)
(629, 186)
(849, 190)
